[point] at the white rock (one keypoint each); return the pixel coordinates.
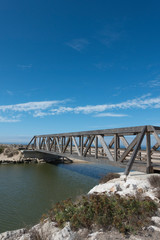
(154, 228)
(156, 220)
(9, 235)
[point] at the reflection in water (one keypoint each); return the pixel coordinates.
(28, 191)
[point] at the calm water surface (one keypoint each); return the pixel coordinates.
(28, 191)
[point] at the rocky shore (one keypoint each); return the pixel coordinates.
(135, 184)
(13, 154)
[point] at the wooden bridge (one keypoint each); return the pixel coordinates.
(119, 147)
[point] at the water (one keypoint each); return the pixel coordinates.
(28, 191)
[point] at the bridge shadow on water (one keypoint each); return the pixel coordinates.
(93, 170)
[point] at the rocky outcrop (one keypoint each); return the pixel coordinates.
(136, 183)
(14, 154)
(46, 230)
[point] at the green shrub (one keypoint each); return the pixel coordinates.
(1, 149)
(125, 214)
(109, 177)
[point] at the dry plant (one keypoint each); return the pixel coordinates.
(109, 177)
(154, 180)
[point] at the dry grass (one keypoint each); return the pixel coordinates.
(10, 152)
(109, 177)
(154, 180)
(1, 149)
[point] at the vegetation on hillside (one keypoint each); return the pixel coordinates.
(125, 214)
(1, 149)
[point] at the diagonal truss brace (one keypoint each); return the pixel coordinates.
(105, 147)
(76, 146)
(139, 141)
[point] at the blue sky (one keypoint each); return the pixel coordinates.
(78, 65)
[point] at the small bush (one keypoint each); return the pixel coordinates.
(1, 149)
(154, 180)
(109, 177)
(34, 235)
(125, 214)
(10, 152)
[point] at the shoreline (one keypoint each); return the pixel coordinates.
(136, 182)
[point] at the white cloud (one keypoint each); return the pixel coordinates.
(78, 44)
(7, 120)
(23, 67)
(9, 92)
(155, 82)
(51, 108)
(25, 107)
(103, 66)
(142, 103)
(110, 115)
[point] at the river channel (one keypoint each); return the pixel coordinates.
(29, 190)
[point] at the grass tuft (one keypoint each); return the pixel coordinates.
(109, 177)
(154, 180)
(1, 149)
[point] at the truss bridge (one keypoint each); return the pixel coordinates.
(130, 147)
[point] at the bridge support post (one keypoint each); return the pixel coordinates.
(149, 168)
(96, 147)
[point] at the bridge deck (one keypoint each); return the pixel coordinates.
(119, 147)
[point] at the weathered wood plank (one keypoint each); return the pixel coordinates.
(115, 147)
(67, 143)
(105, 132)
(155, 134)
(130, 163)
(111, 143)
(105, 147)
(82, 145)
(59, 149)
(88, 146)
(76, 146)
(124, 141)
(71, 145)
(155, 147)
(130, 147)
(148, 153)
(96, 147)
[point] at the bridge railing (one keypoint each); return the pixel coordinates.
(95, 144)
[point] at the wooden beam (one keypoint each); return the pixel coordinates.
(76, 146)
(155, 147)
(30, 142)
(67, 143)
(130, 163)
(96, 147)
(86, 140)
(82, 145)
(88, 146)
(155, 134)
(116, 147)
(70, 145)
(130, 147)
(124, 141)
(52, 143)
(58, 144)
(105, 132)
(149, 168)
(106, 149)
(111, 143)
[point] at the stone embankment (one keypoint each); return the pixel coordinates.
(136, 184)
(13, 154)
